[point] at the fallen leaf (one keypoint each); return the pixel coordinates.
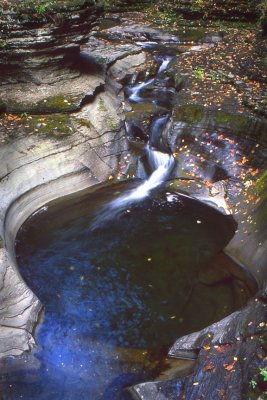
(209, 367)
(206, 347)
(220, 349)
(229, 367)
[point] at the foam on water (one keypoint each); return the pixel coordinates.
(164, 64)
(161, 163)
(135, 96)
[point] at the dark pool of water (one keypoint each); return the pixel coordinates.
(118, 296)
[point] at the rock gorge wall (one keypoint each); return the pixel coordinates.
(234, 10)
(40, 68)
(68, 135)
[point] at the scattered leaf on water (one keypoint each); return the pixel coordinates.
(209, 367)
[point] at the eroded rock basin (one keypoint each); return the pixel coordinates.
(117, 296)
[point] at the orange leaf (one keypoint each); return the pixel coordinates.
(220, 349)
(209, 367)
(229, 367)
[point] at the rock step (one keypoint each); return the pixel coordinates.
(59, 33)
(129, 5)
(217, 9)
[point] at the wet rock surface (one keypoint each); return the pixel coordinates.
(233, 10)
(222, 125)
(47, 146)
(220, 148)
(223, 352)
(40, 69)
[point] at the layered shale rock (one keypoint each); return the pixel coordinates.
(232, 10)
(40, 67)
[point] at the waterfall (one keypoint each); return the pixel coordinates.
(158, 129)
(159, 159)
(135, 90)
(161, 165)
(164, 64)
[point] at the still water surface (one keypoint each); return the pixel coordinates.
(116, 296)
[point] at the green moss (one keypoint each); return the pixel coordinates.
(85, 122)
(263, 341)
(101, 105)
(260, 190)
(236, 122)
(112, 123)
(260, 186)
(101, 60)
(58, 103)
(191, 113)
(54, 104)
(56, 126)
(192, 35)
(142, 111)
(178, 79)
(226, 118)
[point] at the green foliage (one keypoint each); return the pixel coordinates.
(199, 73)
(24, 115)
(43, 7)
(263, 373)
(213, 75)
(253, 383)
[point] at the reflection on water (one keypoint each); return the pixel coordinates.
(115, 297)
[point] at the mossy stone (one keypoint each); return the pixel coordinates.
(55, 126)
(60, 103)
(260, 189)
(236, 121)
(191, 114)
(54, 104)
(191, 35)
(142, 111)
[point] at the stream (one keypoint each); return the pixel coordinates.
(118, 271)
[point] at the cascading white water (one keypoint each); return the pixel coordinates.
(137, 89)
(164, 64)
(162, 163)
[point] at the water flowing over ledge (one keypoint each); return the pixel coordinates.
(58, 176)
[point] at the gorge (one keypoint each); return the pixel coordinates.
(133, 204)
